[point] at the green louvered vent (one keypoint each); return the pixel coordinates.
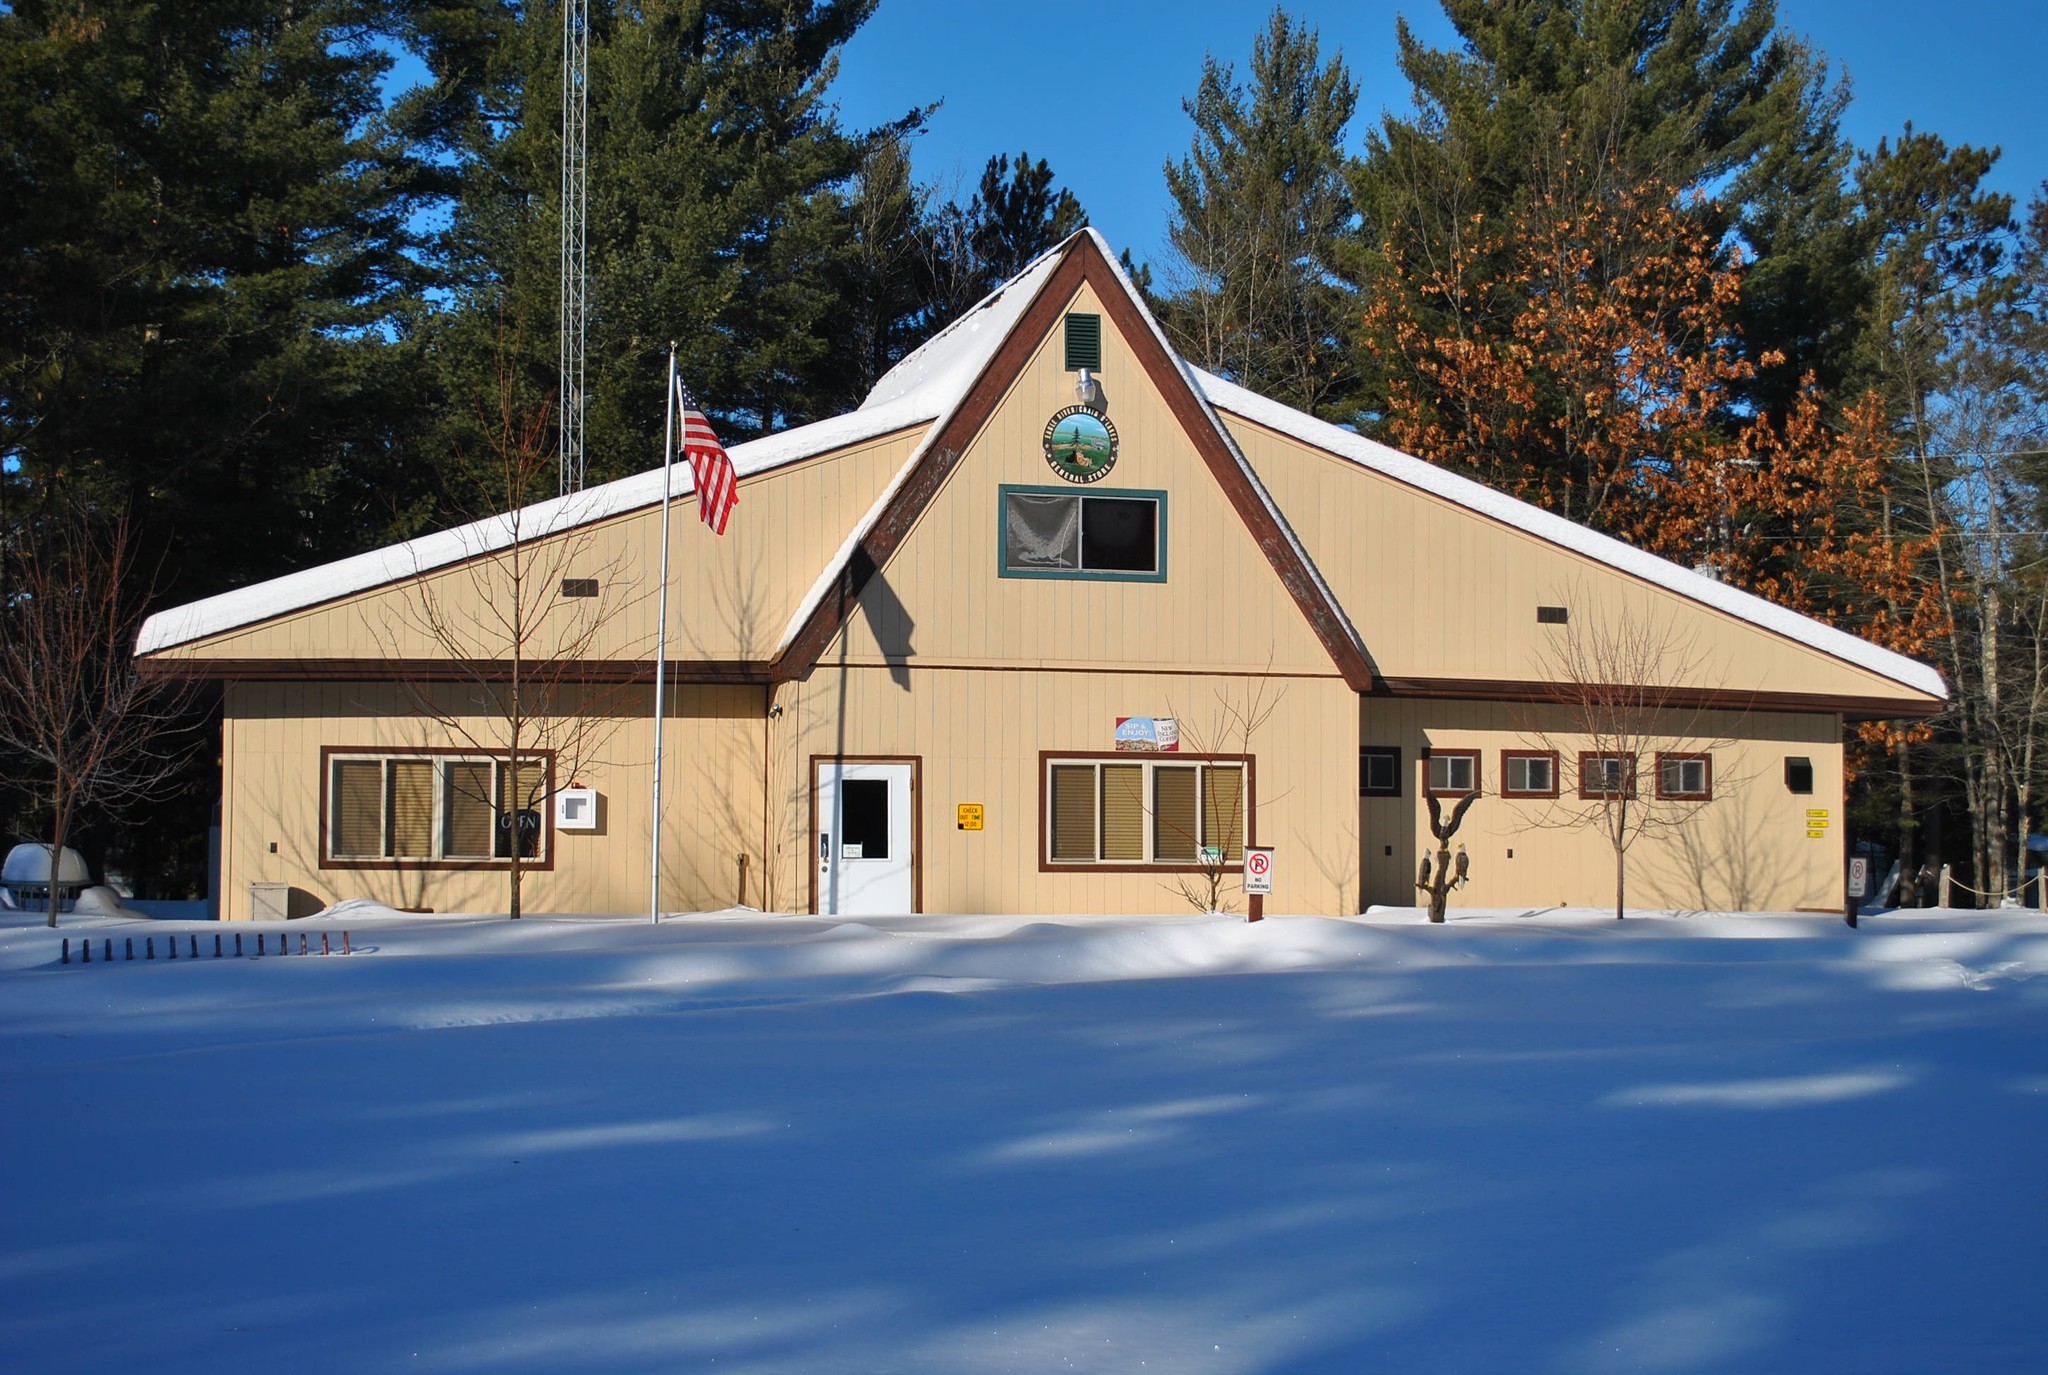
(1084, 342)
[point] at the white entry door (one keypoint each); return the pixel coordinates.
(866, 830)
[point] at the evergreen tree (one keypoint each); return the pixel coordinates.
(1260, 212)
(1014, 216)
(1688, 94)
(715, 215)
(208, 287)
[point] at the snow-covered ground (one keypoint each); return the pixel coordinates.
(1518, 1142)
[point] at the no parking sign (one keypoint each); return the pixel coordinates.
(1258, 871)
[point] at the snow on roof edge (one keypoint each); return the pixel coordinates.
(309, 587)
(1555, 529)
(953, 379)
(1191, 375)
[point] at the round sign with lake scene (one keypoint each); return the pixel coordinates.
(1080, 444)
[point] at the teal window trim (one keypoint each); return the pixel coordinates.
(1003, 569)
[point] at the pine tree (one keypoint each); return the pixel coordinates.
(1260, 213)
(1014, 215)
(207, 277)
(1691, 94)
(715, 219)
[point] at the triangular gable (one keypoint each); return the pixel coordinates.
(1082, 259)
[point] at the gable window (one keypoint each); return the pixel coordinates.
(441, 808)
(1116, 537)
(1177, 810)
(1528, 773)
(1453, 773)
(1379, 771)
(1685, 777)
(1607, 775)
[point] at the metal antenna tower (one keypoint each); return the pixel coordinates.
(575, 302)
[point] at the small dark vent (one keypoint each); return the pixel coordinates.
(1798, 774)
(1552, 615)
(1084, 342)
(579, 587)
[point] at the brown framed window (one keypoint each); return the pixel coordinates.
(1528, 773)
(1174, 810)
(1685, 777)
(1379, 771)
(430, 808)
(1451, 773)
(1607, 774)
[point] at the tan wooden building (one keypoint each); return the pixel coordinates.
(920, 671)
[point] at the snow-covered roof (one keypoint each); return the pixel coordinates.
(1555, 529)
(379, 567)
(928, 387)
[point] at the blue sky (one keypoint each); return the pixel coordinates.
(1095, 88)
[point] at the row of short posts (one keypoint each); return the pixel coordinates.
(284, 947)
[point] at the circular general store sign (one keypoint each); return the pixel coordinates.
(1080, 444)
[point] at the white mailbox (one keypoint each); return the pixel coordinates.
(576, 809)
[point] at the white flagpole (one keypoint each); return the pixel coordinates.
(668, 455)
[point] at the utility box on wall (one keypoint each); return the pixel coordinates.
(576, 809)
(270, 901)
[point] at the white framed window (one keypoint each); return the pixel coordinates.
(1453, 773)
(437, 807)
(1607, 774)
(1137, 811)
(1528, 773)
(1685, 777)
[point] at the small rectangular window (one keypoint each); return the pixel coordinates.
(1050, 533)
(1552, 615)
(579, 587)
(1798, 774)
(1379, 771)
(1528, 773)
(1607, 775)
(1685, 777)
(1084, 342)
(1453, 773)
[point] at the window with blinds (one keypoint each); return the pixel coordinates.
(1176, 811)
(439, 808)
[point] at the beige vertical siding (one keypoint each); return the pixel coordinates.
(1440, 591)
(712, 784)
(1221, 607)
(1746, 848)
(731, 596)
(978, 734)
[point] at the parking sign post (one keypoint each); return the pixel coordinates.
(1258, 877)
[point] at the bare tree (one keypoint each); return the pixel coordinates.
(516, 626)
(72, 702)
(1627, 733)
(1222, 799)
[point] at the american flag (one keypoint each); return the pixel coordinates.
(717, 484)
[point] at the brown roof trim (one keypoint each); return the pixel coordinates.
(1083, 263)
(1721, 699)
(1289, 563)
(448, 670)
